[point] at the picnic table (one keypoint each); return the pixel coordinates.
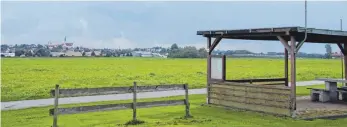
(331, 92)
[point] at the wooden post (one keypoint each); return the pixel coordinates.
(134, 101)
(208, 70)
(224, 68)
(293, 73)
(345, 61)
(187, 101)
(56, 97)
(286, 66)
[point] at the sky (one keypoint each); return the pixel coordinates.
(117, 24)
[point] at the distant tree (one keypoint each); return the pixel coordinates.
(42, 52)
(60, 47)
(328, 51)
(39, 46)
(93, 53)
(29, 53)
(55, 49)
(4, 47)
(86, 50)
(174, 46)
(202, 53)
(19, 52)
(84, 53)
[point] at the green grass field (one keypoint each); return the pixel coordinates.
(32, 78)
(203, 116)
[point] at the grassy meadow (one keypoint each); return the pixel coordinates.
(203, 116)
(32, 78)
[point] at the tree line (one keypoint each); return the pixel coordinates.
(186, 52)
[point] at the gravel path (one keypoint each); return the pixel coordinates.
(12, 105)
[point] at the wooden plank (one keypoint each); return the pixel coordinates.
(115, 90)
(257, 80)
(260, 96)
(248, 85)
(251, 107)
(253, 101)
(96, 108)
(252, 90)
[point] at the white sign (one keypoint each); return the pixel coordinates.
(216, 68)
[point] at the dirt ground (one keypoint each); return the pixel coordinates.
(307, 108)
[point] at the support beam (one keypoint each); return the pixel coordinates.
(208, 45)
(215, 43)
(299, 46)
(293, 73)
(341, 48)
(208, 70)
(286, 66)
(284, 42)
(224, 68)
(345, 60)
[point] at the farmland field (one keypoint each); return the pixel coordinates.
(32, 78)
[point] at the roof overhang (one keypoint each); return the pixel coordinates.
(270, 34)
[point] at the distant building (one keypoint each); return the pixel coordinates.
(336, 54)
(56, 54)
(72, 53)
(8, 55)
(65, 45)
(97, 53)
(142, 54)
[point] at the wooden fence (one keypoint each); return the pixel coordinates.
(268, 99)
(57, 92)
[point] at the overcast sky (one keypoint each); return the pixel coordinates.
(146, 24)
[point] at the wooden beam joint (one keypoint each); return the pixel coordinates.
(284, 42)
(341, 48)
(215, 43)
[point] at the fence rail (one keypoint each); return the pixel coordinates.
(107, 107)
(115, 90)
(56, 93)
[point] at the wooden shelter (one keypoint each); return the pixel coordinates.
(282, 98)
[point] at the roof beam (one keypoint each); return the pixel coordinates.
(215, 43)
(284, 42)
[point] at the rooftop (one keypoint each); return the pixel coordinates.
(313, 35)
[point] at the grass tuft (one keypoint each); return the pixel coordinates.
(134, 122)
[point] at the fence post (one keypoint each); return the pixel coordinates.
(134, 101)
(56, 97)
(187, 100)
